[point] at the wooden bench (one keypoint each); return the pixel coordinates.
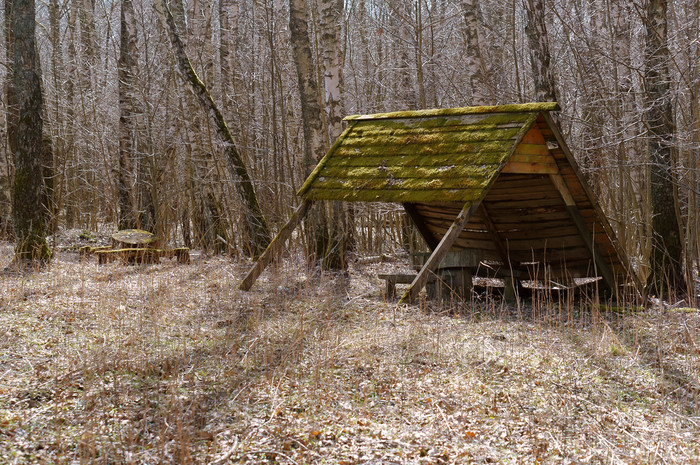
(142, 255)
(392, 279)
(89, 250)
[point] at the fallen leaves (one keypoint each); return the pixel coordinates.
(121, 364)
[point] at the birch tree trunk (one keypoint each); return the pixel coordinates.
(28, 196)
(667, 248)
(540, 56)
(477, 68)
(126, 178)
(331, 24)
(341, 218)
(315, 142)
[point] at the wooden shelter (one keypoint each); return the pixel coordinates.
(497, 181)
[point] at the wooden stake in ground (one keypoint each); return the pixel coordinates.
(255, 224)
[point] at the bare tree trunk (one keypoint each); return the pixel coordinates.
(127, 120)
(476, 66)
(10, 125)
(28, 196)
(341, 217)
(70, 184)
(315, 142)
(540, 56)
(331, 23)
(197, 211)
(255, 223)
(667, 250)
(228, 16)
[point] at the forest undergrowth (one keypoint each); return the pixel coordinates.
(172, 363)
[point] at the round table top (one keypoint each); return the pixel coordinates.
(134, 236)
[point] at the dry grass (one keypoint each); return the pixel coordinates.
(172, 363)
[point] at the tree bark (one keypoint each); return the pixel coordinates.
(28, 196)
(340, 215)
(667, 248)
(540, 56)
(476, 66)
(255, 223)
(315, 142)
(126, 177)
(10, 127)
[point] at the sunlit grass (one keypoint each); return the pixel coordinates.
(114, 364)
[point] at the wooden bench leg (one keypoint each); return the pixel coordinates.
(510, 293)
(390, 289)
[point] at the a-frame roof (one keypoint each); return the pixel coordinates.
(534, 204)
(497, 180)
(421, 156)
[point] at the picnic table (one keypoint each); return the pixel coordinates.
(134, 246)
(453, 277)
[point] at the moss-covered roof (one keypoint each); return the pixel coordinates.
(421, 156)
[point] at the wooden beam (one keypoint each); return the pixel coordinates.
(600, 264)
(493, 232)
(553, 127)
(273, 250)
(423, 229)
(440, 251)
(530, 168)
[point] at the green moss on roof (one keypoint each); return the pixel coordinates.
(516, 108)
(424, 156)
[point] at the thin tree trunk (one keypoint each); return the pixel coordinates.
(126, 179)
(255, 223)
(540, 56)
(10, 123)
(314, 140)
(477, 70)
(341, 218)
(667, 251)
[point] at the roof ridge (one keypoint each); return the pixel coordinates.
(512, 108)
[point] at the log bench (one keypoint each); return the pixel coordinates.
(89, 250)
(142, 255)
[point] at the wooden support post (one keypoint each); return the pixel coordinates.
(493, 232)
(273, 250)
(420, 224)
(440, 251)
(510, 291)
(600, 264)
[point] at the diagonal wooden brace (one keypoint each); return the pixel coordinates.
(273, 250)
(600, 263)
(440, 251)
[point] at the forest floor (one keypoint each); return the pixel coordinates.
(172, 363)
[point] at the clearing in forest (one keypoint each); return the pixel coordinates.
(173, 363)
